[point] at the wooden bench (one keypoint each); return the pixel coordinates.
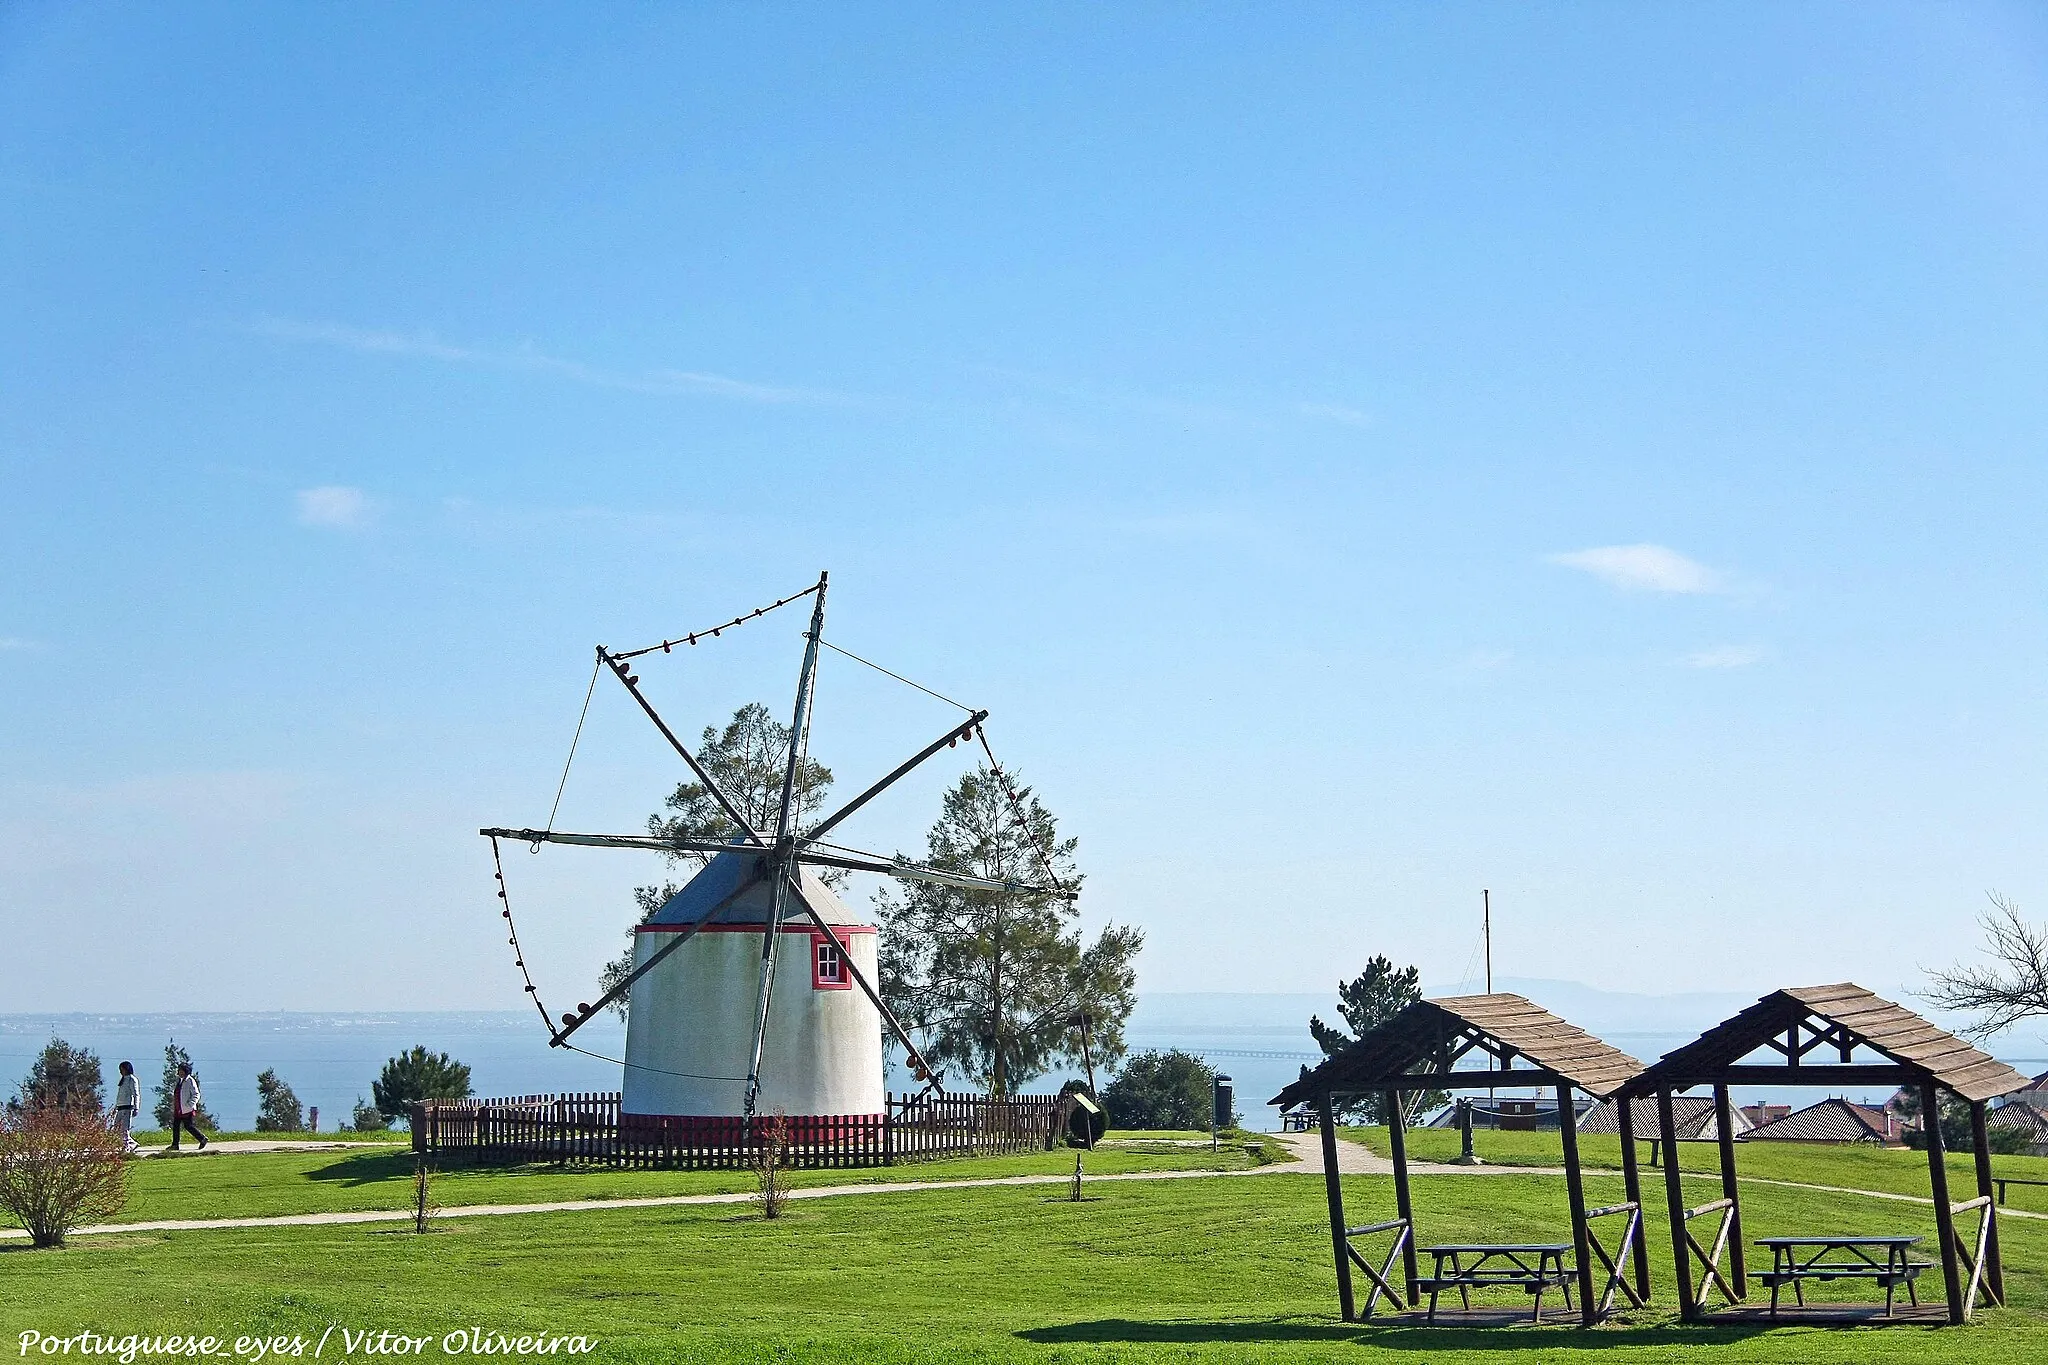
(1534, 1267)
(2003, 1180)
(1855, 1261)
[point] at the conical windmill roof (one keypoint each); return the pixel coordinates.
(735, 883)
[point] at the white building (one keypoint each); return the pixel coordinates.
(690, 1021)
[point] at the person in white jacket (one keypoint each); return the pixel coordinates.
(127, 1099)
(185, 1107)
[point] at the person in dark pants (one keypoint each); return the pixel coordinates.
(185, 1106)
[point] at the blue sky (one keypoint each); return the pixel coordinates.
(1360, 454)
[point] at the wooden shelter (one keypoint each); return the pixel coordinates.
(1516, 1044)
(1775, 1042)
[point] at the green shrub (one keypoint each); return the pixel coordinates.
(1161, 1090)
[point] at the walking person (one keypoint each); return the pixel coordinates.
(127, 1099)
(185, 1106)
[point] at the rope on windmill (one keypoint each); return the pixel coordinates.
(1017, 809)
(897, 676)
(512, 937)
(576, 739)
(666, 646)
(519, 961)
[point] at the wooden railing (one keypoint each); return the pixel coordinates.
(1977, 1259)
(1710, 1260)
(589, 1129)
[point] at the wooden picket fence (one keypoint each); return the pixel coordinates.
(588, 1129)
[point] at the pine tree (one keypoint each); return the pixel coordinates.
(418, 1075)
(64, 1078)
(277, 1108)
(986, 979)
(1367, 1001)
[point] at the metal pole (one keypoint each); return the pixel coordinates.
(780, 861)
(1486, 931)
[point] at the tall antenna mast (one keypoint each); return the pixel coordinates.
(1486, 935)
(1486, 932)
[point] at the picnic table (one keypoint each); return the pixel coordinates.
(1795, 1260)
(1465, 1266)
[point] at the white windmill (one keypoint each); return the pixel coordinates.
(753, 988)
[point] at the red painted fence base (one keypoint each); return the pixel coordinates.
(588, 1129)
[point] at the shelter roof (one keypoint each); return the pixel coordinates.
(1418, 1044)
(734, 883)
(1692, 1118)
(1832, 1120)
(1848, 1011)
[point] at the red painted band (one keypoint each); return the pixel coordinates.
(798, 927)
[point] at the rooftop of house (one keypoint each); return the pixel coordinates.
(1832, 1120)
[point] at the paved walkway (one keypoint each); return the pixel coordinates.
(273, 1145)
(1353, 1158)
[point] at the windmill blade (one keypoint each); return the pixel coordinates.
(925, 1069)
(640, 841)
(952, 736)
(853, 860)
(917, 872)
(632, 685)
(586, 1013)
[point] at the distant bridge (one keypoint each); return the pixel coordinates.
(1274, 1056)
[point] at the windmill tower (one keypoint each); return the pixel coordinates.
(753, 988)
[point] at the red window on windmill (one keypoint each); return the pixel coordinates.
(828, 964)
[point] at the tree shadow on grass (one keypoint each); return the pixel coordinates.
(1393, 1337)
(365, 1169)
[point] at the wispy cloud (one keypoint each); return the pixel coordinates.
(333, 505)
(16, 643)
(427, 346)
(1644, 568)
(1335, 412)
(1725, 656)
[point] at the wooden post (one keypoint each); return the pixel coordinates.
(1575, 1192)
(1724, 1126)
(1334, 1188)
(1632, 1185)
(1397, 1138)
(1944, 1214)
(1980, 1140)
(1667, 1131)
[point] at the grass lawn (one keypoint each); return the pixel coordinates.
(1895, 1170)
(1186, 1270)
(263, 1184)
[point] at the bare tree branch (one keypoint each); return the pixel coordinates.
(2014, 986)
